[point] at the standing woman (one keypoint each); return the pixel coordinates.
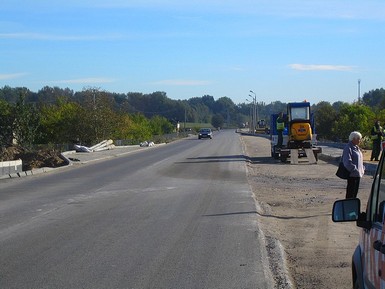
(354, 163)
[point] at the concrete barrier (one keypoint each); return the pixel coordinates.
(11, 167)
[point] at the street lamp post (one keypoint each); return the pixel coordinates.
(253, 119)
(255, 110)
(256, 105)
(250, 115)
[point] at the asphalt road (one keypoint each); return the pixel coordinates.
(181, 215)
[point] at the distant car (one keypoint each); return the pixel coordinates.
(205, 133)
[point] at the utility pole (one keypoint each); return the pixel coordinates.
(255, 116)
(185, 119)
(359, 90)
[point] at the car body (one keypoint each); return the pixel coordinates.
(368, 259)
(205, 133)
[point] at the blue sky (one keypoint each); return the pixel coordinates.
(286, 50)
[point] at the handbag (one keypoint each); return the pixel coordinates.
(342, 172)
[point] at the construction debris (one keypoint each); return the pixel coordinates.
(147, 144)
(102, 146)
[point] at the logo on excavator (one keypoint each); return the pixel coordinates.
(302, 129)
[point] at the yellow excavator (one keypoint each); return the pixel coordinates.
(299, 138)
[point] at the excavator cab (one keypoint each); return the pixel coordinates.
(300, 132)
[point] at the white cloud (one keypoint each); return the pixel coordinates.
(322, 67)
(372, 9)
(181, 82)
(85, 81)
(342, 9)
(52, 37)
(11, 76)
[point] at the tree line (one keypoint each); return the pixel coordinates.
(54, 115)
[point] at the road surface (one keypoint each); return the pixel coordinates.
(178, 216)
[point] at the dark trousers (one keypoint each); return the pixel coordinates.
(280, 138)
(352, 187)
(376, 150)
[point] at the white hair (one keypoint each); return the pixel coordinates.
(355, 135)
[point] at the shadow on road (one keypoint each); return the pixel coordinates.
(231, 158)
(268, 215)
(229, 214)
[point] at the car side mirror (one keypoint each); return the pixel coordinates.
(347, 210)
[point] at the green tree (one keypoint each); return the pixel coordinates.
(6, 123)
(26, 123)
(160, 125)
(208, 101)
(226, 107)
(98, 118)
(52, 94)
(200, 113)
(12, 95)
(217, 121)
(123, 128)
(325, 115)
(352, 117)
(375, 98)
(140, 129)
(60, 122)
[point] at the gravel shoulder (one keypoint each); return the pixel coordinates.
(294, 204)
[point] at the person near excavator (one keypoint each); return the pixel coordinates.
(376, 135)
(280, 128)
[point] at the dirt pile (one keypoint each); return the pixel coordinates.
(33, 159)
